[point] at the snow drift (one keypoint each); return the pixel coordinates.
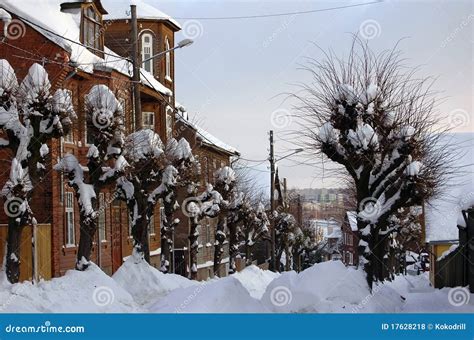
(90, 291)
(145, 283)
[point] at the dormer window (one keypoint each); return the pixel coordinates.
(167, 60)
(147, 51)
(92, 28)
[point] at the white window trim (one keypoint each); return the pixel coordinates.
(167, 61)
(102, 229)
(149, 45)
(148, 126)
(70, 209)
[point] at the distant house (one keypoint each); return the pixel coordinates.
(350, 240)
(449, 236)
(329, 233)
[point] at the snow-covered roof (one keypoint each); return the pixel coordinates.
(352, 218)
(51, 22)
(443, 213)
(206, 137)
(120, 9)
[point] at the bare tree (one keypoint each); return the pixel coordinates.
(30, 117)
(373, 115)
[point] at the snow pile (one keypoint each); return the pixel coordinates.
(8, 80)
(328, 134)
(327, 287)
(142, 145)
(35, 86)
(90, 291)
(255, 280)
(225, 175)
(225, 295)
(145, 283)
(179, 150)
(102, 104)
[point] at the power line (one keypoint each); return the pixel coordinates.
(277, 14)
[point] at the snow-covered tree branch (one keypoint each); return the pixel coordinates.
(30, 116)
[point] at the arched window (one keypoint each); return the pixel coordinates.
(147, 51)
(168, 60)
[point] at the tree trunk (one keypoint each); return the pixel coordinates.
(87, 232)
(13, 250)
(219, 244)
(289, 255)
(193, 246)
(140, 226)
(233, 246)
(167, 231)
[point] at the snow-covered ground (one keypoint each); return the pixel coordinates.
(137, 287)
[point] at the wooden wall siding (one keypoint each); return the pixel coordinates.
(43, 244)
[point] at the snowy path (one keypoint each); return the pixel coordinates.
(324, 288)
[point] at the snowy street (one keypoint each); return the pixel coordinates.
(137, 287)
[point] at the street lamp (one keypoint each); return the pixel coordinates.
(181, 44)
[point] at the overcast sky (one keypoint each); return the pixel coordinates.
(229, 78)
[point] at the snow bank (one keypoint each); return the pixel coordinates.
(147, 284)
(255, 280)
(225, 295)
(90, 291)
(327, 287)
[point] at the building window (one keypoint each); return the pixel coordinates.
(351, 258)
(147, 52)
(168, 60)
(148, 120)
(69, 210)
(162, 215)
(101, 225)
(92, 28)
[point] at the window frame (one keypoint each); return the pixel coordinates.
(142, 52)
(167, 61)
(147, 114)
(94, 26)
(70, 230)
(101, 220)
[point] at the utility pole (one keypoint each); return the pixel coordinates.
(137, 106)
(273, 264)
(286, 202)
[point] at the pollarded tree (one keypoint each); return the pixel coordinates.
(146, 168)
(255, 225)
(29, 117)
(374, 117)
(286, 230)
(179, 172)
(225, 185)
(105, 164)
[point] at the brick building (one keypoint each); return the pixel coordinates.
(350, 240)
(68, 39)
